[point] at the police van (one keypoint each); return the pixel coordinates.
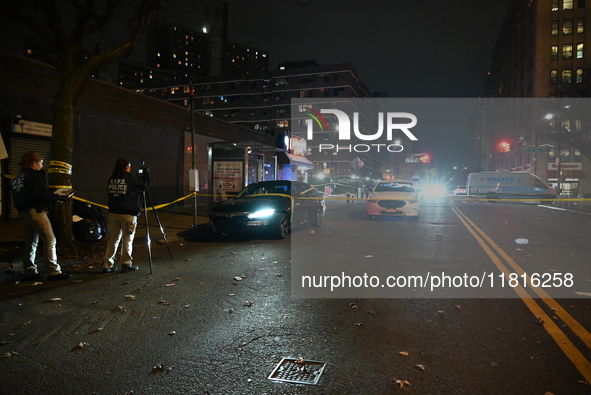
(508, 184)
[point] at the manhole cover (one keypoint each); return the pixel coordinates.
(298, 371)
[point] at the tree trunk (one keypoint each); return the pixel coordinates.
(60, 176)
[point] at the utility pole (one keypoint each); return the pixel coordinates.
(193, 168)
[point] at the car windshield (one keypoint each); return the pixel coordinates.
(265, 188)
(394, 187)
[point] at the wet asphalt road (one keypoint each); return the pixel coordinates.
(219, 317)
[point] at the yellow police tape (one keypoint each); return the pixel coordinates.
(10, 176)
(56, 166)
(336, 198)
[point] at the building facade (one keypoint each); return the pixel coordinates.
(262, 102)
(543, 52)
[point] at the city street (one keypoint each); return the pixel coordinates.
(220, 316)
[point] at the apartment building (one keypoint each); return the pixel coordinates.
(543, 52)
(262, 102)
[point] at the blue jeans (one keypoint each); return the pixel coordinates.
(37, 226)
(120, 226)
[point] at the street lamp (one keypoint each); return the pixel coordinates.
(557, 150)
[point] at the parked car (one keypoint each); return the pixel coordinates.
(460, 190)
(394, 199)
(272, 207)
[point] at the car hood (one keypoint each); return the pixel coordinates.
(395, 195)
(251, 204)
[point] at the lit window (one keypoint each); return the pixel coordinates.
(567, 51)
(577, 156)
(555, 28)
(567, 26)
(554, 5)
(554, 77)
(581, 25)
(567, 4)
(554, 52)
(580, 50)
(567, 76)
(579, 76)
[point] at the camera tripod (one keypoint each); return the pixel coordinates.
(145, 195)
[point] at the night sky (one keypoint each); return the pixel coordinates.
(418, 48)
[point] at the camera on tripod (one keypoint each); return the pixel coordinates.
(142, 166)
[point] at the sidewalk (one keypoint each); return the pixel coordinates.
(173, 223)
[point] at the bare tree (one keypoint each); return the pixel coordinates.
(67, 28)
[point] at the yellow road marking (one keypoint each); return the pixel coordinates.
(571, 351)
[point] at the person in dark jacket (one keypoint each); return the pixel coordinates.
(32, 199)
(125, 204)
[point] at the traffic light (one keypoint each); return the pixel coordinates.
(425, 158)
(504, 146)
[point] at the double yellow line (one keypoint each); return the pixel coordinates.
(572, 352)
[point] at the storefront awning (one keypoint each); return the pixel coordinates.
(299, 161)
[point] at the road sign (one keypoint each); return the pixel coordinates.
(538, 149)
(412, 160)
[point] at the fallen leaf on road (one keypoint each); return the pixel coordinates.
(169, 285)
(55, 299)
(420, 367)
(494, 364)
(160, 368)
(370, 312)
(8, 354)
(25, 324)
(539, 321)
(163, 302)
(248, 303)
(401, 383)
(405, 353)
(353, 305)
(82, 345)
(238, 278)
(130, 297)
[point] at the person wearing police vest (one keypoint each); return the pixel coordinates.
(33, 199)
(125, 204)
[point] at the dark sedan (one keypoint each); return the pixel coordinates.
(273, 207)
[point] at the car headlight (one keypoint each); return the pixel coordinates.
(261, 213)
